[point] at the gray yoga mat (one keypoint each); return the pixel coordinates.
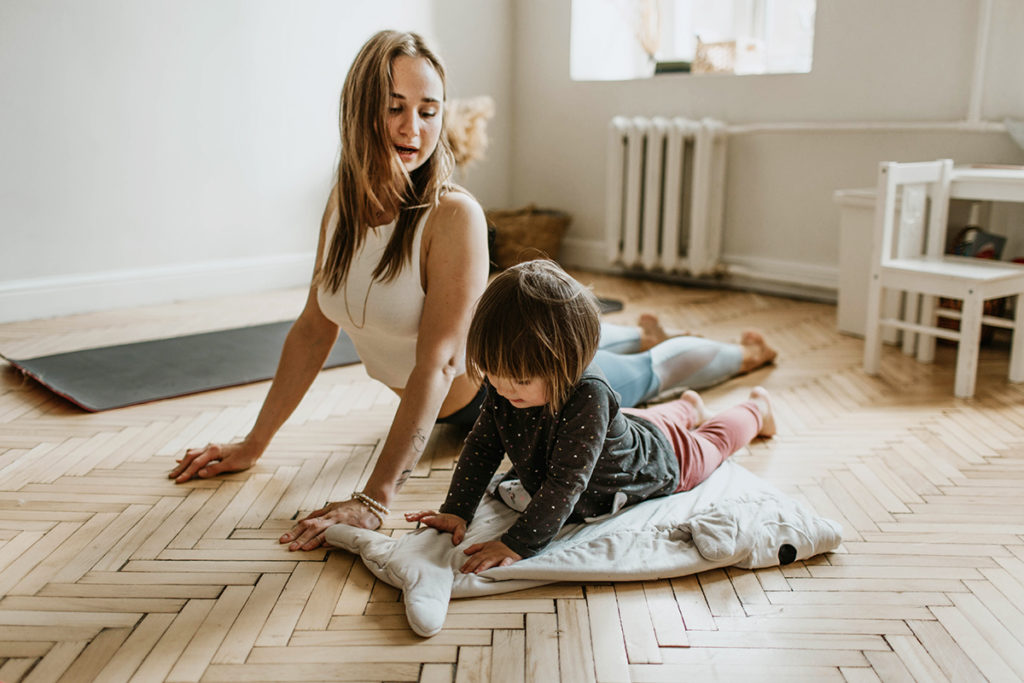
(117, 376)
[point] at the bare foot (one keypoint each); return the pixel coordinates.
(760, 397)
(694, 399)
(756, 351)
(651, 331)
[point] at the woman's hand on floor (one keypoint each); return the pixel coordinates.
(309, 532)
(452, 524)
(487, 555)
(214, 459)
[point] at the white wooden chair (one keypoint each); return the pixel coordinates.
(908, 256)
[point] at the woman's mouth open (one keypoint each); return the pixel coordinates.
(406, 153)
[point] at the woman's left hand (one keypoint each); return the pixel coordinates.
(487, 555)
(309, 532)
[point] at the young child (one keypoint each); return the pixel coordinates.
(533, 339)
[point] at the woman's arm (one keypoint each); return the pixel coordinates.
(456, 266)
(306, 347)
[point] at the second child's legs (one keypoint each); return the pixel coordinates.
(703, 449)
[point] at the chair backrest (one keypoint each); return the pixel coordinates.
(919, 194)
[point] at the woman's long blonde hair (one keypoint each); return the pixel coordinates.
(535, 320)
(371, 177)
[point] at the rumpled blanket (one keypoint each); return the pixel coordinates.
(734, 518)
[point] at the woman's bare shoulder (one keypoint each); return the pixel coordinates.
(459, 203)
(457, 213)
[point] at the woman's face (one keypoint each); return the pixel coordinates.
(415, 110)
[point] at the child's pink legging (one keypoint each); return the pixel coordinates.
(702, 450)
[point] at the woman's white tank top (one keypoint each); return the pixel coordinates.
(381, 318)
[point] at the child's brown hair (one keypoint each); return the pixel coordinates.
(535, 320)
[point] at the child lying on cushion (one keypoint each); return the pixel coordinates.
(533, 339)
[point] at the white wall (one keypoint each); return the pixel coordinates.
(168, 149)
(874, 61)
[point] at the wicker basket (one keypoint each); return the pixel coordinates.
(527, 233)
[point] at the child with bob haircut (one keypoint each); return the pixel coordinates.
(549, 408)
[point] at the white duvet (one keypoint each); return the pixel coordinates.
(734, 518)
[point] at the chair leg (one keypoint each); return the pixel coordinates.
(1017, 344)
(926, 342)
(970, 341)
(872, 328)
(910, 315)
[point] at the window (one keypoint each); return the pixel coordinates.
(627, 39)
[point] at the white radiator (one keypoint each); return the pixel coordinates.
(665, 190)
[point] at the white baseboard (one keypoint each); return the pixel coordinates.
(67, 295)
(785, 277)
(772, 276)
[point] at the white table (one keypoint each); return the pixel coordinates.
(991, 183)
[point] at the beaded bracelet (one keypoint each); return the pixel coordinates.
(378, 510)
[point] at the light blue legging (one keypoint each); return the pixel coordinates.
(691, 362)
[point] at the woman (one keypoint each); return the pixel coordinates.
(401, 260)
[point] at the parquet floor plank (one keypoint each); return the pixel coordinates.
(361, 653)
(210, 634)
(122, 663)
(17, 668)
(242, 636)
(286, 612)
(720, 594)
(973, 642)
(610, 656)
(541, 648)
(692, 604)
(637, 627)
(51, 666)
(474, 665)
(437, 673)
(665, 616)
(915, 658)
(995, 631)
(508, 656)
(576, 661)
(161, 657)
(110, 571)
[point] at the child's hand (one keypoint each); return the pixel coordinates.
(487, 555)
(453, 524)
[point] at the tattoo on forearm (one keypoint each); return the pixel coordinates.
(419, 441)
(403, 477)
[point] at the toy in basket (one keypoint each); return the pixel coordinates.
(527, 233)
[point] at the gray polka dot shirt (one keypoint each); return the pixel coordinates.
(572, 463)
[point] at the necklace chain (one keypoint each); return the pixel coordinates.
(366, 298)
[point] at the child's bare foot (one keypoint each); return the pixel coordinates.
(756, 351)
(694, 399)
(760, 398)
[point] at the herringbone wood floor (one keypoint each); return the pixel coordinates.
(111, 572)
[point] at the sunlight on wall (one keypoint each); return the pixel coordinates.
(629, 39)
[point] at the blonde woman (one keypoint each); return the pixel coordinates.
(402, 258)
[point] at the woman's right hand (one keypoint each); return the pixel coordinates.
(214, 459)
(450, 523)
